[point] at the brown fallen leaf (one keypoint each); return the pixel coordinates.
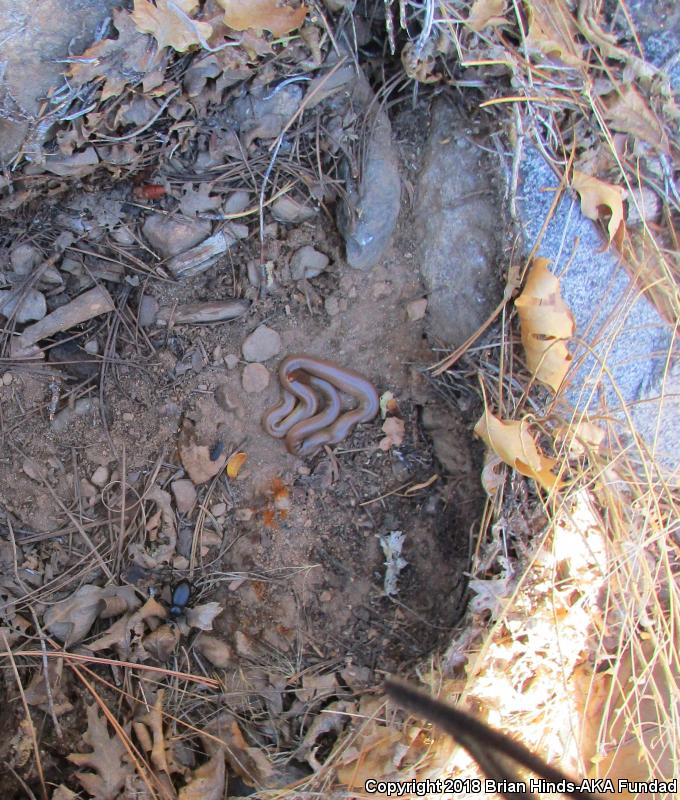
(596, 194)
(546, 324)
(168, 21)
(36, 692)
(108, 759)
(197, 456)
(513, 443)
(120, 61)
(207, 781)
(71, 619)
(486, 13)
(627, 111)
(249, 763)
(553, 31)
(161, 643)
(202, 616)
(276, 16)
(218, 653)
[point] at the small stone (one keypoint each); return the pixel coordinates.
(243, 514)
(31, 307)
(307, 262)
(184, 492)
(255, 378)
(24, 257)
(416, 309)
(100, 477)
(123, 235)
(217, 354)
(91, 346)
(381, 289)
(332, 306)
(236, 202)
(87, 490)
(128, 417)
(148, 311)
(325, 596)
(285, 209)
(218, 509)
(262, 344)
(238, 230)
(7, 379)
(253, 269)
(170, 236)
(231, 361)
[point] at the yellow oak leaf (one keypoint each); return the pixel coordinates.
(235, 462)
(553, 31)
(627, 111)
(276, 16)
(596, 194)
(168, 21)
(485, 13)
(513, 443)
(545, 324)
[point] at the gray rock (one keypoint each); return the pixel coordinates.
(24, 257)
(307, 263)
(286, 209)
(33, 307)
(148, 311)
(32, 41)
(255, 378)
(456, 216)
(81, 408)
(100, 477)
(262, 344)
(622, 341)
(236, 202)
(169, 236)
(368, 214)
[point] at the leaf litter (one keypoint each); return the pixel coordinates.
(123, 143)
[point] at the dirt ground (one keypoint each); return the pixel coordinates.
(290, 549)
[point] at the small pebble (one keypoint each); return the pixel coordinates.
(7, 378)
(29, 308)
(236, 202)
(185, 495)
(243, 514)
(100, 477)
(286, 209)
(325, 596)
(416, 309)
(231, 361)
(24, 257)
(217, 354)
(332, 306)
(261, 345)
(91, 347)
(255, 378)
(218, 509)
(87, 489)
(128, 417)
(307, 262)
(148, 311)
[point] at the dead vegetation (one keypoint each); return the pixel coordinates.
(569, 641)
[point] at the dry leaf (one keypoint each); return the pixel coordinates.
(546, 323)
(36, 692)
(270, 15)
(628, 112)
(394, 428)
(170, 24)
(161, 643)
(513, 442)
(207, 781)
(120, 61)
(218, 653)
(236, 461)
(202, 616)
(552, 30)
(485, 12)
(250, 763)
(71, 619)
(108, 759)
(594, 195)
(493, 473)
(197, 456)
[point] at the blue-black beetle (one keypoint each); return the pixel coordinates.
(181, 595)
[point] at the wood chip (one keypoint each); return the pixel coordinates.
(200, 258)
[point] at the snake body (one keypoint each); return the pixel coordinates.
(296, 417)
